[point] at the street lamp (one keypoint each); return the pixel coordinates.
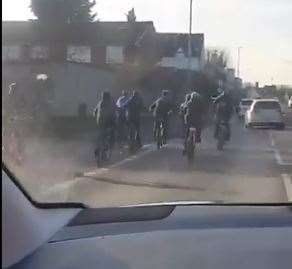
(190, 43)
(238, 61)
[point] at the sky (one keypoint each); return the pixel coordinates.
(263, 28)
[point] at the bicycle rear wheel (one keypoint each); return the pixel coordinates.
(190, 148)
(159, 138)
(98, 157)
(220, 141)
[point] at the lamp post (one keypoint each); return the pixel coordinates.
(190, 43)
(238, 61)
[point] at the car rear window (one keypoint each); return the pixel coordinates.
(267, 105)
(246, 102)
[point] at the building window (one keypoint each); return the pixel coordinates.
(11, 53)
(39, 52)
(114, 55)
(79, 54)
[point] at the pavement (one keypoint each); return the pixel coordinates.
(255, 167)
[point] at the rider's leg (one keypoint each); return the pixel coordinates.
(112, 134)
(217, 123)
(228, 131)
(198, 133)
(138, 131)
(155, 128)
(131, 132)
(187, 131)
(119, 131)
(165, 122)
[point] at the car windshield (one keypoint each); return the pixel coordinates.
(268, 105)
(246, 102)
(124, 102)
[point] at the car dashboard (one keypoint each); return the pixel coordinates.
(189, 236)
(164, 235)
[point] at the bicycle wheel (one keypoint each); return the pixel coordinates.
(107, 153)
(221, 140)
(98, 157)
(190, 147)
(163, 136)
(131, 144)
(159, 138)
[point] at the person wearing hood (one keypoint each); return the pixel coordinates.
(104, 114)
(161, 109)
(194, 116)
(134, 107)
(122, 126)
(223, 111)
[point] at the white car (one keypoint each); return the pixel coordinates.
(265, 113)
(244, 105)
(290, 102)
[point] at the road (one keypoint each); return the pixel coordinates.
(256, 166)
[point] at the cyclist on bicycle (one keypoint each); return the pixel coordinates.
(182, 111)
(223, 112)
(194, 116)
(161, 109)
(105, 118)
(134, 107)
(121, 116)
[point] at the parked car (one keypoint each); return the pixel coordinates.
(290, 102)
(244, 105)
(265, 113)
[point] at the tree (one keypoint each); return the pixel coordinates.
(131, 16)
(216, 64)
(63, 11)
(217, 58)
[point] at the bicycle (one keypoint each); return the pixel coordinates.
(134, 139)
(222, 135)
(160, 134)
(191, 143)
(103, 152)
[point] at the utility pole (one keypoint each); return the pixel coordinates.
(238, 61)
(190, 43)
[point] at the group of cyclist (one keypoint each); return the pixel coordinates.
(123, 118)
(120, 119)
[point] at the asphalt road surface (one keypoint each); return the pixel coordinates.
(256, 167)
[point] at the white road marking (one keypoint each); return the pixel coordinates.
(278, 157)
(60, 188)
(148, 148)
(272, 140)
(277, 153)
(65, 186)
(288, 186)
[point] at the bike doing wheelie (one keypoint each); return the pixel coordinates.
(223, 113)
